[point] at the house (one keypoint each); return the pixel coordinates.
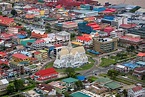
(63, 35)
(39, 43)
(3, 84)
(38, 34)
(121, 68)
(18, 57)
(46, 89)
(139, 72)
(137, 91)
(5, 6)
(70, 82)
(86, 39)
(6, 21)
(70, 57)
(108, 83)
(59, 86)
(45, 74)
(3, 54)
(141, 56)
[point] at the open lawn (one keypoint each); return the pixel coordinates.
(107, 62)
(92, 78)
(86, 66)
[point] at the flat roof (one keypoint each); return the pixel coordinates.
(103, 80)
(79, 94)
(84, 11)
(112, 85)
(70, 80)
(140, 63)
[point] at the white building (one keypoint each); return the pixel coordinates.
(70, 57)
(3, 84)
(137, 91)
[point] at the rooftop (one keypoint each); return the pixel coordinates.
(70, 80)
(21, 56)
(112, 85)
(137, 88)
(103, 80)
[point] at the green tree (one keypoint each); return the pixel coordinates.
(19, 84)
(48, 28)
(5, 66)
(125, 93)
(72, 36)
(29, 32)
(1, 13)
(14, 12)
(66, 94)
(10, 88)
(118, 95)
(70, 72)
(79, 85)
(112, 73)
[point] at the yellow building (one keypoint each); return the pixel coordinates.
(44, 54)
(20, 58)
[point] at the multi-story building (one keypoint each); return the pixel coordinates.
(139, 72)
(105, 44)
(130, 39)
(137, 91)
(44, 54)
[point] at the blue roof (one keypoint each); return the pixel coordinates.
(21, 36)
(130, 65)
(83, 11)
(81, 78)
(140, 63)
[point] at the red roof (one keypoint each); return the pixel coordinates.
(2, 54)
(136, 39)
(140, 69)
(6, 35)
(37, 52)
(3, 62)
(137, 88)
(39, 41)
(46, 72)
(20, 56)
(141, 54)
(6, 20)
(128, 26)
(84, 37)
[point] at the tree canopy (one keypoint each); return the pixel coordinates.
(19, 84)
(70, 72)
(10, 88)
(14, 12)
(112, 73)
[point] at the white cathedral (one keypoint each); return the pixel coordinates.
(71, 57)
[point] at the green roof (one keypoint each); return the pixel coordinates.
(79, 94)
(103, 80)
(112, 85)
(70, 80)
(25, 41)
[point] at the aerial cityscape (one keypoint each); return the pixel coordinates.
(72, 48)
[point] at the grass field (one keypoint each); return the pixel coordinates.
(107, 62)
